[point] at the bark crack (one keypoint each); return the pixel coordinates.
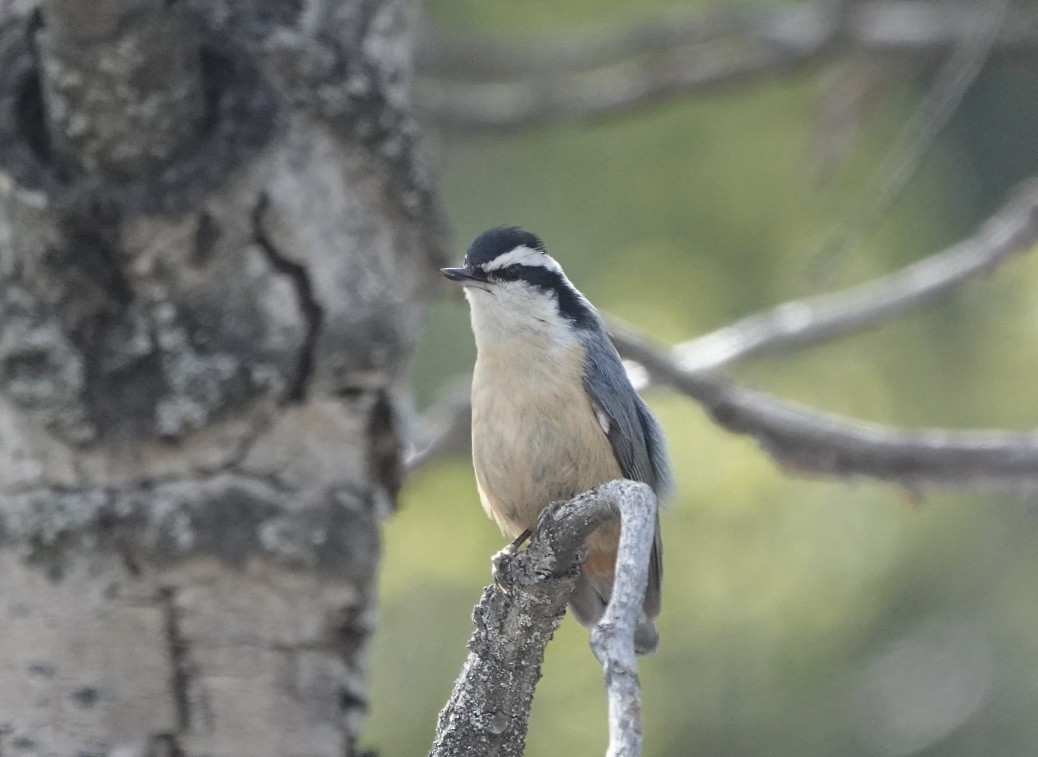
(180, 679)
(311, 309)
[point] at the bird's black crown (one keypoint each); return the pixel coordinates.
(498, 241)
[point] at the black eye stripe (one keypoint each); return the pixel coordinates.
(571, 305)
(542, 278)
(513, 272)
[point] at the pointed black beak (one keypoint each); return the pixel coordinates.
(463, 274)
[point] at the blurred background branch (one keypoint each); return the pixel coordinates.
(806, 441)
(482, 84)
(802, 323)
(444, 428)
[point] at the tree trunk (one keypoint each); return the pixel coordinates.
(215, 242)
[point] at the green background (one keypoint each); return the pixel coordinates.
(801, 616)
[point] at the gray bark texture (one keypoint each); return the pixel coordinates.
(216, 244)
(488, 712)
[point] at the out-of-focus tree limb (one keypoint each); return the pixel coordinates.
(444, 429)
(809, 441)
(488, 710)
(573, 79)
(457, 56)
(619, 87)
(801, 323)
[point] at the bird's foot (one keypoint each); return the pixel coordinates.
(499, 562)
(517, 542)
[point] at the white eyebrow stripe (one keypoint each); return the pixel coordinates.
(523, 256)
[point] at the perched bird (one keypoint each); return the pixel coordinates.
(553, 412)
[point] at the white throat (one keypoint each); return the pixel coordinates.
(516, 317)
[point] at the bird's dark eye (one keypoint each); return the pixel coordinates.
(508, 273)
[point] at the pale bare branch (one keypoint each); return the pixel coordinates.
(612, 640)
(800, 323)
(488, 710)
(458, 56)
(809, 441)
(616, 88)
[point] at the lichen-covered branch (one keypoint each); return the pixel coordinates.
(488, 711)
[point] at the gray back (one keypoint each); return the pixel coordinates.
(634, 432)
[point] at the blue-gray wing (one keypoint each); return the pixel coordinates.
(634, 434)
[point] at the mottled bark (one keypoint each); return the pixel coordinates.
(121, 80)
(488, 711)
(209, 292)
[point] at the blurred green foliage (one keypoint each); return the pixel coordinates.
(801, 617)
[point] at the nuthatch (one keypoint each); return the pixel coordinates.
(553, 412)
